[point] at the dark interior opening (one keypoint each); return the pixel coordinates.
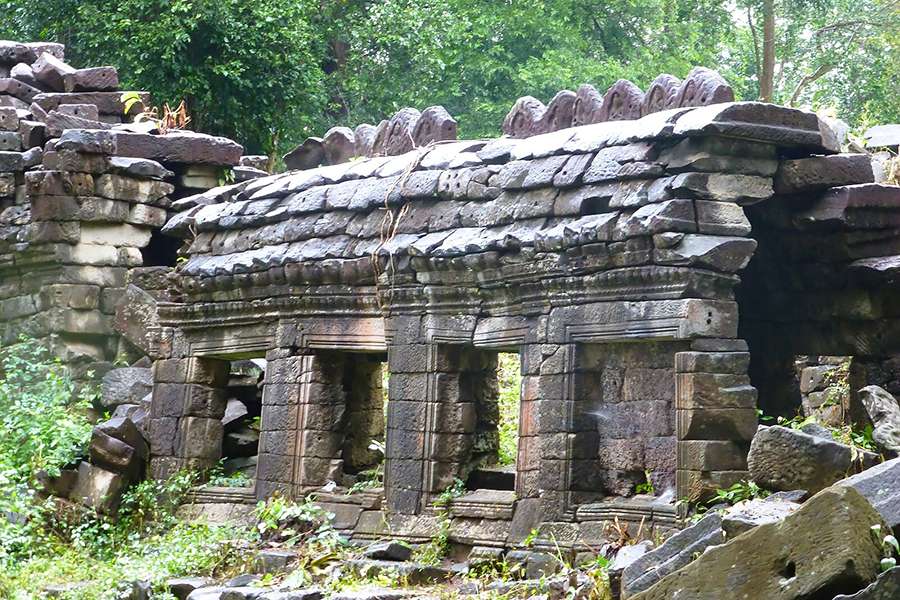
(161, 251)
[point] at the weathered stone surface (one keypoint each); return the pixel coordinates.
(881, 487)
(824, 547)
(127, 385)
(746, 515)
(97, 488)
(389, 551)
(50, 71)
(784, 459)
(820, 172)
(108, 103)
(864, 206)
(112, 454)
(175, 147)
(721, 253)
(181, 587)
(675, 553)
(884, 411)
(95, 79)
(18, 89)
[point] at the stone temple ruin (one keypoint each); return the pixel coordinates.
(658, 262)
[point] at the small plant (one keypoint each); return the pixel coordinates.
(218, 478)
(170, 119)
(890, 548)
(739, 492)
(290, 523)
(647, 486)
(439, 546)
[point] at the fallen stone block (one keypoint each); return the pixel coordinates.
(95, 79)
(389, 551)
(136, 319)
(181, 587)
(126, 385)
(880, 485)
(97, 488)
(826, 547)
(783, 459)
(112, 454)
(414, 573)
(274, 561)
(821, 172)
(884, 411)
(744, 516)
(50, 71)
(676, 552)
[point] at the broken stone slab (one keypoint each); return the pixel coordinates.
(139, 167)
(174, 147)
(181, 587)
(624, 558)
(413, 573)
(676, 552)
(15, 52)
(880, 485)
(50, 71)
(234, 411)
(274, 561)
(882, 270)
(884, 412)
(108, 103)
(744, 516)
(783, 459)
(391, 550)
(57, 122)
(136, 319)
(112, 454)
(882, 136)
(97, 488)
(126, 385)
(826, 546)
(758, 121)
(726, 254)
(886, 587)
(125, 430)
(94, 79)
(821, 172)
(863, 206)
(742, 189)
(19, 90)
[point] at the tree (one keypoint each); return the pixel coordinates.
(804, 48)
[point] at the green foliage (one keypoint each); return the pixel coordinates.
(218, 478)
(509, 376)
(43, 427)
(293, 523)
(739, 492)
(297, 68)
(647, 486)
(439, 546)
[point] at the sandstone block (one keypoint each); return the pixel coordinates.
(821, 172)
(784, 459)
(881, 487)
(824, 547)
(127, 385)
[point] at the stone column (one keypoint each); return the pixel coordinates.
(715, 419)
(303, 410)
(186, 414)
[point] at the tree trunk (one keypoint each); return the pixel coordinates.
(767, 76)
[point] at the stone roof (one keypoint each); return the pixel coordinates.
(579, 186)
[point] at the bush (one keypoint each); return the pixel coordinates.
(43, 427)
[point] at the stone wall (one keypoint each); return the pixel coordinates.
(605, 255)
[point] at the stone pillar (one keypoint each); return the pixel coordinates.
(555, 429)
(715, 420)
(303, 409)
(408, 388)
(186, 414)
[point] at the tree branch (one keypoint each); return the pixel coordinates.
(808, 79)
(755, 38)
